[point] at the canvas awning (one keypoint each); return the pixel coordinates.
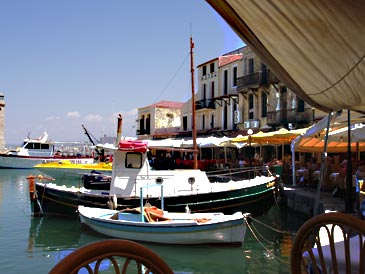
(281, 136)
(337, 140)
(316, 48)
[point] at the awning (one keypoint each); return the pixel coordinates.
(316, 48)
(281, 136)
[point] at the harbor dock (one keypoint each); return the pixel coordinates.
(302, 200)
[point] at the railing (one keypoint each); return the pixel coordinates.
(289, 116)
(142, 132)
(233, 173)
(205, 103)
(255, 80)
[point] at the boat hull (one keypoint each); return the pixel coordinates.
(73, 171)
(29, 162)
(256, 199)
(221, 229)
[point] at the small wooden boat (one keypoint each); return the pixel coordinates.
(157, 226)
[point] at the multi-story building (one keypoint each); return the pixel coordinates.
(266, 103)
(159, 120)
(236, 92)
(216, 102)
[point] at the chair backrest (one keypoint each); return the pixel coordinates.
(329, 243)
(122, 255)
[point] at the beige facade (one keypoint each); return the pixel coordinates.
(2, 122)
(235, 92)
(159, 120)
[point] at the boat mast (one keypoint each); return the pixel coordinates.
(193, 128)
(119, 130)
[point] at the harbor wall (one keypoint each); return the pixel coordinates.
(302, 201)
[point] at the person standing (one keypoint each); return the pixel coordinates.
(34, 202)
(360, 176)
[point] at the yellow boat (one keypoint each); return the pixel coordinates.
(65, 169)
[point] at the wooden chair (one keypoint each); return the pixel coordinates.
(122, 255)
(329, 243)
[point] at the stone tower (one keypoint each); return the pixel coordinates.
(2, 122)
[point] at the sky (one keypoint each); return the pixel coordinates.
(70, 63)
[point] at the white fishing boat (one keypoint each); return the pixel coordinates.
(131, 171)
(36, 151)
(150, 224)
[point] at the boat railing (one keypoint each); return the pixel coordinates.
(237, 174)
(160, 184)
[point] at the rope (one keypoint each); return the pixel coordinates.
(263, 246)
(272, 228)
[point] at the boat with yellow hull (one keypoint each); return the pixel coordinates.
(68, 170)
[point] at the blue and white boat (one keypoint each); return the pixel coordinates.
(157, 226)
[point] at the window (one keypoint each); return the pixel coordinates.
(203, 121)
(234, 116)
(250, 101)
(212, 121)
(148, 124)
(250, 66)
(225, 121)
(251, 106)
(133, 160)
(225, 82)
(204, 70)
(211, 67)
(212, 90)
(204, 91)
(185, 123)
(234, 80)
(141, 125)
(300, 105)
(44, 146)
(263, 104)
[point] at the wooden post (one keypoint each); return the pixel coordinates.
(193, 127)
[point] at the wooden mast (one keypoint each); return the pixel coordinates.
(193, 127)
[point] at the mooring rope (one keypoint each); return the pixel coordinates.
(263, 246)
(272, 228)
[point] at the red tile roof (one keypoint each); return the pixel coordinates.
(226, 59)
(166, 104)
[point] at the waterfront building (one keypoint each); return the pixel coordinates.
(159, 120)
(237, 94)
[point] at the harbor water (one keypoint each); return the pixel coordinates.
(35, 245)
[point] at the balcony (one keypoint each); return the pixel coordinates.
(256, 80)
(281, 117)
(303, 117)
(205, 103)
(142, 132)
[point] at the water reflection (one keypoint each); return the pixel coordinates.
(44, 241)
(57, 237)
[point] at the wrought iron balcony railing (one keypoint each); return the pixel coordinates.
(205, 103)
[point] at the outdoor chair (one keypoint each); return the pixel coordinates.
(329, 243)
(117, 255)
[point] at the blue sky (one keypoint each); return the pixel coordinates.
(81, 62)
